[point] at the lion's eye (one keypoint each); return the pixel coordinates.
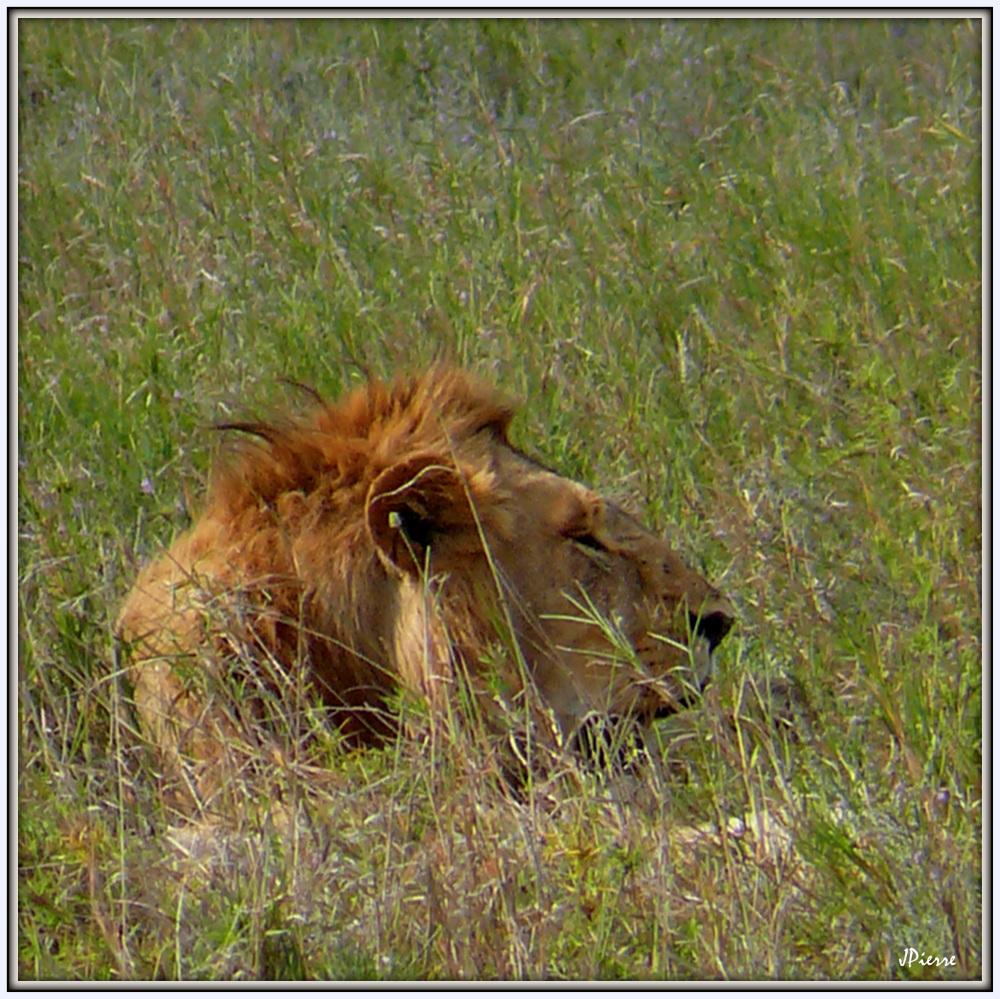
(589, 541)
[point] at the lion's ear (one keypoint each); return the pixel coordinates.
(418, 504)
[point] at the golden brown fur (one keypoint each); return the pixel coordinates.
(397, 540)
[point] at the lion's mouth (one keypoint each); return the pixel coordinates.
(685, 684)
(668, 677)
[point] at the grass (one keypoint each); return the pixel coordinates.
(734, 269)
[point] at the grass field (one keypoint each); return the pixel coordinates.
(733, 268)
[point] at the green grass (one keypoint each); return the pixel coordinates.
(734, 269)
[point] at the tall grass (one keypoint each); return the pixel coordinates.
(734, 269)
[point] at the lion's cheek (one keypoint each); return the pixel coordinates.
(578, 675)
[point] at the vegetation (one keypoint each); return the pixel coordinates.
(734, 269)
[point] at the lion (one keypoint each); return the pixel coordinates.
(398, 542)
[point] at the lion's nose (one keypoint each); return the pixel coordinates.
(714, 622)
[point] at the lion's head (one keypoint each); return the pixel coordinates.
(399, 540)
